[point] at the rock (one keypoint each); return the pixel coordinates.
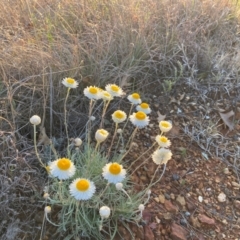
(167, 216)
(235, 184)
(206, 220)
(226, 171)
(161, 198)
(170, 207)
(172, 196)
(195, 222)
(222, 197)
(178, 233)
(237, 204)
(148, 234)
(191, 206)
(181, 200)
(200, 199)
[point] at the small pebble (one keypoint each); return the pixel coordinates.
(222, 197)
(200, 198)
(187, 214)
(183, 222)
(175, 177)
(226, 171)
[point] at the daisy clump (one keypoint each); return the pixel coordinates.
(91, 186)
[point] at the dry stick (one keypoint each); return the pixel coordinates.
(35, 146)
(141, 156)
(65, 120)
(43, 223)
(105, 106)
(128, 117)
(114, 135)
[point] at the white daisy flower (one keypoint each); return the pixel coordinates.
(144, 107)
(119, 116)
(35, 120)
(165, 126)
(82, 189)
(161, 156)
(106, 96)
(163, 141)
(114, 172)
(78, 142)
(101, 135)
(139, 119)
(92, 92)
(134, 98)
(114, 90)
(69, 82)
(104, 212)
(62, 168)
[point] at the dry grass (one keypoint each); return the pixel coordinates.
(131, 43)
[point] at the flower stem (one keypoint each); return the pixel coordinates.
(164, 169)
(114, 135)
(65, 120)
(142, 156)
(129, 143)
(128, 117)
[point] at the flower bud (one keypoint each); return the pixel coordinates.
(104, 212)
(35, 120)
(47, 209)
(77, 142)
(101, 135)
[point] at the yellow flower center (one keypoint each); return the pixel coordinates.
(106, 94)
(163, 139)
(103, 132)
(135, 96)
(165, 124)
(140, 115)
(144, 105)
(115, 168)
(115, 88)
(64, 164)
(93, 90)
(83, 185)
(70, 80)
(119, 114)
